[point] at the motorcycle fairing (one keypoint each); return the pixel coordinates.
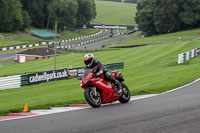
(107, 91)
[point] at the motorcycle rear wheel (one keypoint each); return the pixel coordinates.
(94, 101)
(126, 94)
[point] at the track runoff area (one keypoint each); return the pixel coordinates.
(73, 107)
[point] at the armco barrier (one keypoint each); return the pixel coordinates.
(10, 82)
(18, 81)
(188, 55)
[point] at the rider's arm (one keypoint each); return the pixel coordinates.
(101, 68)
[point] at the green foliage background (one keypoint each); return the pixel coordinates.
(165, 16)
(20, 14)
(127, 1)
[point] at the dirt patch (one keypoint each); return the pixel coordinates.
(2, 36)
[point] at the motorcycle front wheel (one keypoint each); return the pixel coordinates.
(93, 99)
(125, 97)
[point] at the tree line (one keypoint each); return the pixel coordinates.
(127, 1)
(164, 16)
(20, 14)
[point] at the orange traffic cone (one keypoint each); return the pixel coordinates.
(25, 108)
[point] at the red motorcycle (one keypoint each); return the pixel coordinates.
(97, 91)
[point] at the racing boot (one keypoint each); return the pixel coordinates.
(117, 84)
(119, 89)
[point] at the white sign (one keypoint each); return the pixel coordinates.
(22, 59)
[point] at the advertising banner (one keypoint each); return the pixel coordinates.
(73, 73)
(48, 76)
(117, 27)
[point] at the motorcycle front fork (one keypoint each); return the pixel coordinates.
(94, 89)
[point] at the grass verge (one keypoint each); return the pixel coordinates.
(115, 13)
(172, 37)
(28, 39)
(6, 60)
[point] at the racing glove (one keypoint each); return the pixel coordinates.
(98, 74)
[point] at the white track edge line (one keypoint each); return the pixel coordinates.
(175, 89)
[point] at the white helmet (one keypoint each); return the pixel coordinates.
(88, 59)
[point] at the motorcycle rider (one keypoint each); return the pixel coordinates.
(90, 62)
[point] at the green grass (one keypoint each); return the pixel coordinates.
(18, 32)
(81, 32)
(19, 41)
(172, 37)
(6, 60)
(115, 13)
(28, 39)
(41, 96)
(147, 70)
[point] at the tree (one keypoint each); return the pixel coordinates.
(11, 15)
(190, 13)
(26, 20)
(86, 11)
(64, 12)
(37, 9)
(20, 14)
(127, 1)
(163, 16)
(144, 17)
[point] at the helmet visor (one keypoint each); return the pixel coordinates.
(88, 62)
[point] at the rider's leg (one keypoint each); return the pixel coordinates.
(110, 78)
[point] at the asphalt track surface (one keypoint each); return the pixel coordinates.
(85, 40)
(106, 42)
(174, 112)
(7, 55)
